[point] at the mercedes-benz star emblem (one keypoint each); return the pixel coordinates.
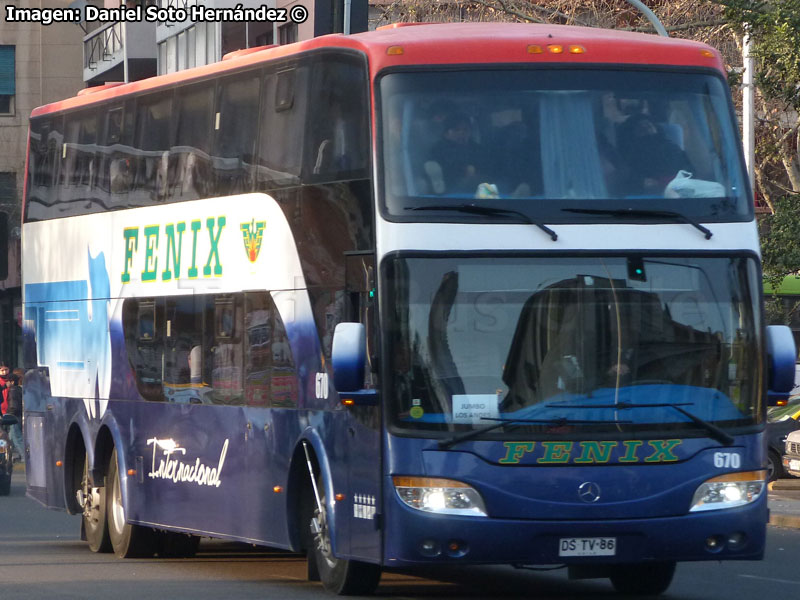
(589, 492)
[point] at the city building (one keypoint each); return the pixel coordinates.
(128, 50)
(38, 64)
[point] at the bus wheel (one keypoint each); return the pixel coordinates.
(127, 539)
(644, 579)
(171, 544)
(343, 577)
(94, 523)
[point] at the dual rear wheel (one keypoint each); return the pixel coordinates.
(106, 528)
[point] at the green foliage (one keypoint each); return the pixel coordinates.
(775, 30)
(781, 235)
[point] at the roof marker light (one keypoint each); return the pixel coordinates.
(394, 50)
(555, 49)
(576, 49)
(534, 49)
(707, 53)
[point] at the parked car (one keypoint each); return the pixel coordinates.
(791, 456)
(6, 462)
(781, 421)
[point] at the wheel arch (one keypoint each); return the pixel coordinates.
(298, 487)
(109, 437)
(76, 449)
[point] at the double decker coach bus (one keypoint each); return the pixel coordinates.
(442, 294)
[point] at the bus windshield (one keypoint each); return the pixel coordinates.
(541, 140)
(575, 342)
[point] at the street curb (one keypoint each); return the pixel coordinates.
(784, 484)
(791, 521)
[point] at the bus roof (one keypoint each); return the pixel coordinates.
(449, 43)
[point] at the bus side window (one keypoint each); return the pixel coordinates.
(236, 128)
(270, 373)
(141, 323)
(42, 167)
(189, 159)
(79, 155)
(118, 159)
(226, 355)
(283, 123)
(151, 146)
(110, 136)
(339, 127)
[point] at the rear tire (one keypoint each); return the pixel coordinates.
(643, 579)
(127, 539)
(95, 523)
(339, 576)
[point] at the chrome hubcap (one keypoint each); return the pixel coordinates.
(319, 527)
(117, 510)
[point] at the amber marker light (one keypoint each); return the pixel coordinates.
(394, 50)
(339, 497)
(59, 463)
(555, 49)
(131, 472)
(534, 49)
(277, 489)
(707, 53)
(576, 49)
(348, 401)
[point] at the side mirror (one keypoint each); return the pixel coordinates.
(9, 420)
(349, 360)
(781, 358)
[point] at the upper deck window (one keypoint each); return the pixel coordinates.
(546, 140)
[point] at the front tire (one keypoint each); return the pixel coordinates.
(339, 576)
(644, 579)
(127, 539)
(774, 466)
(95, 523)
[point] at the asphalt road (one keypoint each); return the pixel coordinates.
(41, 557)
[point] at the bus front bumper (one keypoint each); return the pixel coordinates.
(414, 538)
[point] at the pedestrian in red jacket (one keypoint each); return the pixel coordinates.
(5, 375)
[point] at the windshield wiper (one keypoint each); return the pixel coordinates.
(637, 213)
(477, 209)
(559, 422)
(714, 432)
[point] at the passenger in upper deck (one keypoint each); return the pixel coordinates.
(517, 158)
(653, 159)
(455, 162)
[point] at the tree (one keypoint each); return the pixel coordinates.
(774, 28)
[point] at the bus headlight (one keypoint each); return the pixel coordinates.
(443, 496)
(728, 491)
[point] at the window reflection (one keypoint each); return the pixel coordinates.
(229, 349)
(528, 338)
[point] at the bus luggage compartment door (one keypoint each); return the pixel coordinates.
(43, 477)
